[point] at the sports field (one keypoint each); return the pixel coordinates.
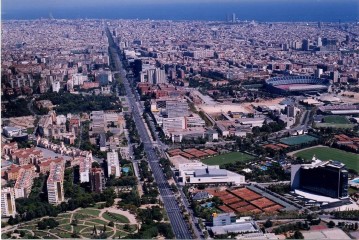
(336, 119)
(333, 125)
(227, 158)
(351, 160)
(298, 140)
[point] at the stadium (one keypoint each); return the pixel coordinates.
(297, 84)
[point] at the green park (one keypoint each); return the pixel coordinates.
(80, 223)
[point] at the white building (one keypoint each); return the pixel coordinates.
(78, 79)
(199, 173)
(194, 121)
(153, 76)
(60, 119)
(113, 164)
(8, 207)
(85, 166)
(56, 86)
(55, 183)
(12, 131)
(253, 122)
(176, 123)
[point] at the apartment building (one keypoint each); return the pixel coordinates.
(113, 164)
(153, 76)
(8, 207)
(55, 183)
(85, 166)
(24, 183)
(97, 180)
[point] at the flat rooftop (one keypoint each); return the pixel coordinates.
(316, 197)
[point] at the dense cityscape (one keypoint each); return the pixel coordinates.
(142, 129)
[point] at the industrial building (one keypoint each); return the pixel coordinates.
(199, 173)
(225, 223)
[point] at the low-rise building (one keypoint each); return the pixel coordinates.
(225, 223)
(26, 156)
(199, 173)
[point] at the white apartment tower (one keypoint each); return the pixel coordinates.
(8, 207)
(113, 164)
(55, 183)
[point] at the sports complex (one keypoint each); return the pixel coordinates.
(297, 84)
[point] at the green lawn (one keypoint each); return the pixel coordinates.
(227, 158)
(95, 220)
(115, 217)
(120, 234)
(63, 221)
(298, 140)
(41, 233)
(336, 119)
(67, 227)
(89, 211)
(78, 228)
(64, 215)
(351, 160)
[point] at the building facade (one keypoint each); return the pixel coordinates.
(113, 164)
(323, 178)
(55, 183)
(97, 180)
(8, 207)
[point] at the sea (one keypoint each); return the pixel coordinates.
(262, 11)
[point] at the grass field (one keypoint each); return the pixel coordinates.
(227, 158)
(115, 217)
(351, 160)
(298, 140)
(89, 211)
(334, 125)
(336, 119)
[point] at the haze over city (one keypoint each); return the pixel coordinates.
(214, 10)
